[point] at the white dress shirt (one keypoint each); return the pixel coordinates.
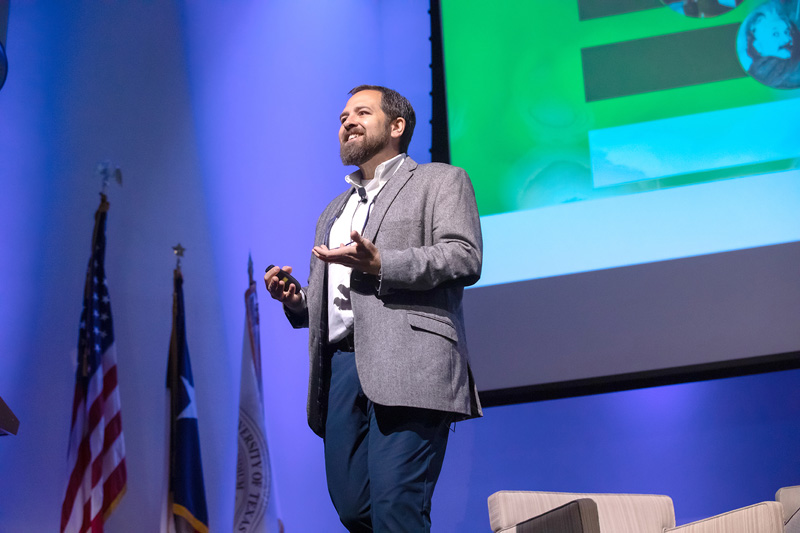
(353, 217)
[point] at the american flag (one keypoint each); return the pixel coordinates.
(96, 453)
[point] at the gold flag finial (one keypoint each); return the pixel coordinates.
(178, 250)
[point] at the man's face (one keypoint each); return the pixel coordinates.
(772, 37)
(364, 129)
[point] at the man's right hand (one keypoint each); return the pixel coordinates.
(278, 291)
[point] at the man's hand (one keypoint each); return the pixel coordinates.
(361, 255)
(278, 291)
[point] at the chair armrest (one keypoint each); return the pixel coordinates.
(578, 516)
(617, 513)
(764, 517)
(789, 497)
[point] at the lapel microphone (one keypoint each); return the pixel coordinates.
(362, 193)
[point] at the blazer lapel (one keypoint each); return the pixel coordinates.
(387, 196)
(329, 216)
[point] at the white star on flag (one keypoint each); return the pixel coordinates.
(190, 411)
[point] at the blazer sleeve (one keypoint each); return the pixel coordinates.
(455, 256)
(298, 320)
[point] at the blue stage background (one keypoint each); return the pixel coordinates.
(223, 117)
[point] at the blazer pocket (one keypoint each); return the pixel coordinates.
(433, 323)
(399, 234)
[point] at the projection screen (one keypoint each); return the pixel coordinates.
(636, 168)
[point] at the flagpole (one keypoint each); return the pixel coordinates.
(250, 268)
(178, 250)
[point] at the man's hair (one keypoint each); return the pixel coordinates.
(766, 13)
(394, 105)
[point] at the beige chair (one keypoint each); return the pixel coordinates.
(561, 512)
(789, 498)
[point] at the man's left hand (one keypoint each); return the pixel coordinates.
(361, 255)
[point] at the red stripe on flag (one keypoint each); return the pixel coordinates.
(77, 400)
(87, 511)
(113, 430)
(110, 382)
(97, 470)
(96, 411)
(83, 457)
(114, 488)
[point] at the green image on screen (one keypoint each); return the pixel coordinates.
(529, 81)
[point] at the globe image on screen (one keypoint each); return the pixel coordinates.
(702, 8)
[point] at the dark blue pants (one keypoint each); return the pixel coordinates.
(381, 462)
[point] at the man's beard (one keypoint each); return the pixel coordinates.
(359, 152)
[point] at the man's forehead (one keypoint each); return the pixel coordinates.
(365, 98)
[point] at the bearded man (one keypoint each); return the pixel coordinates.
(389, 371)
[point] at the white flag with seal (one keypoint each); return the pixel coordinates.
(256, 508)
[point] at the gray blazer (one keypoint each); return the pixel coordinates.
(410, 342)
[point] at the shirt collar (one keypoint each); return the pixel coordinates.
(383, 172)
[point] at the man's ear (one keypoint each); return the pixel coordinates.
(397, 127)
